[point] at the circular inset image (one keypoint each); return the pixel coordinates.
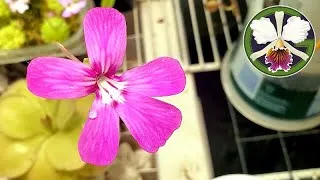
(279, 41)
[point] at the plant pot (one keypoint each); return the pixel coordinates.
(282, 104)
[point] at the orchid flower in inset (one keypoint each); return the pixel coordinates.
(72, 7)
(128, 96)
(19, 6)
(279, 52)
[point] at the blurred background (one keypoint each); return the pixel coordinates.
(235, 119)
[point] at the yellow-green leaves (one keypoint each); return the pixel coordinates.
(20, 118)
(55, 6)
(41, 170)
(20, 88)
(39, 137)
(86, 61)
(61, 112)
(4, 10)
(55, 29)
(19, 103)
(107, 3)
(64, 114)
(83, 106)
(17, 157)
(62, 150)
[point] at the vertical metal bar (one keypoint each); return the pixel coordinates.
(132, 36)
(225, 25)
(213, 40)
(285, 154)
(237, 138)
(237, 14)
(151, 28)
(137, 32)
(181, 33)
(239, 23)
(195, 29)
(166, 20)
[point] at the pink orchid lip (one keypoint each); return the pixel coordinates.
(280, 58)
(128, 96)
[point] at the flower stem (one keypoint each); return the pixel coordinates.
(67, 53)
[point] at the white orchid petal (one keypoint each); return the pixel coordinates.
(279, 19)
(296, 30)
(262, 52)
(295, 51)
(263, 30)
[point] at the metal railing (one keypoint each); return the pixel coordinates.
(161, 20)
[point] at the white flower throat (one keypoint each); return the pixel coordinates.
(111, 90)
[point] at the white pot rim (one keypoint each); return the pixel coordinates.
(237, 177)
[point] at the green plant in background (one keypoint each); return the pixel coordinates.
(55, 6)
(107, 3)
(12, 36)
(38, 137)
(4, 10)
(54, 29)
(41, 21)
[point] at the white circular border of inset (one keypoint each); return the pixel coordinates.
(278, 124)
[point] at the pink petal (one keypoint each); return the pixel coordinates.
(74, 9)
(58, 78)
(150, 121)
(105, 34)
(99, 140)
(161, 77)
(77, 7)
(66, 13)
(65, 3)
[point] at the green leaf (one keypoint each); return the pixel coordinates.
(62, 150)
(61, 112)
(17, 157)
(42, 170)
(83, 106)
(55, 29)
(50, 107)
(64, 114)
(86, 61)
(21, 117)
(55, 6)
(20, 88)
(107, 3)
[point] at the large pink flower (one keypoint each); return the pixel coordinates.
(150, 121)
